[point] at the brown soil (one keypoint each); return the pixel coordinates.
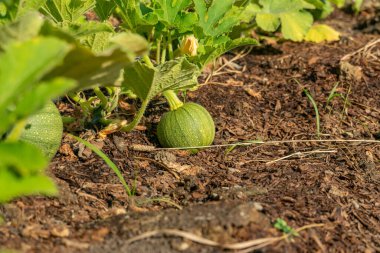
(231, 195)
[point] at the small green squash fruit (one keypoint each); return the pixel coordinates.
(44, 129)
(190, 125)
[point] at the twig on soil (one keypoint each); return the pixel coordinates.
(160, 164)
(363, 49)
(246, 246)
(240, 55)
(303, 154)
(249, 143)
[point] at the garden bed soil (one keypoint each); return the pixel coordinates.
(231, 195)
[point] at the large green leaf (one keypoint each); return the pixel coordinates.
(21, 171)
(147, 82)
(67, 10)
(88, 68)
(169, 10)
(214, 52)
(218, 18)
(26, 6)
(11, 10)
(295, 25)
(132, 15)
(295, 21)
(23, 64)
(82, 29)
(104, 9)
(44, 91)
(27, 27)
(32, 159)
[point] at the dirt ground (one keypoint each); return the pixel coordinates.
(232, 195)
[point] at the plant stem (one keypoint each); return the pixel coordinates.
(16, 132)
(148, 61)
(163, 54)
(137, 118)
(102, 97)
(170, 46)
(158, 50)
(173, 100)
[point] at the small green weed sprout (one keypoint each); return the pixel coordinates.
(108, 161)
(282, 226)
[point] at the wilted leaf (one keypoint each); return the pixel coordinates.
(320, 33)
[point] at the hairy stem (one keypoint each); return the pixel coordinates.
(137, 118)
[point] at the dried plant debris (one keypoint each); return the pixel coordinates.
(365, 60)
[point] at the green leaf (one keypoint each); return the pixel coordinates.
(131, 42)
(21, 171)
(338, 3)
(12, 186)
(91, 34)
(88, 28)
(268, 22)
(104, 9)
(294, 26)
(295, 22)
(3, 9)
(220, 17)
(67, 10)
(357, 5)
(147, 82)
(185, 22)
(43, 91)
(170, 9)
(32, 158)
(26, 6)
(130, 13)
(214, 52)
(23, 29)
(249, 12)
(97, 42)
(320, 33)
(88, 68)
(21, 66)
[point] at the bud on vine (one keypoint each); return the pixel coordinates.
(189, 45)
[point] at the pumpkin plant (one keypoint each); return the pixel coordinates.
(186, 35)
(183, 35)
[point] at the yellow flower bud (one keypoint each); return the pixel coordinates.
(189, 45)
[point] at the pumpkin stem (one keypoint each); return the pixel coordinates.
(173, 100)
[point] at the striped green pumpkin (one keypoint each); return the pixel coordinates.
(190, 125)
(44, 129)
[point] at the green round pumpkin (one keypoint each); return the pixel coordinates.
(190, 125)
(44, 129)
